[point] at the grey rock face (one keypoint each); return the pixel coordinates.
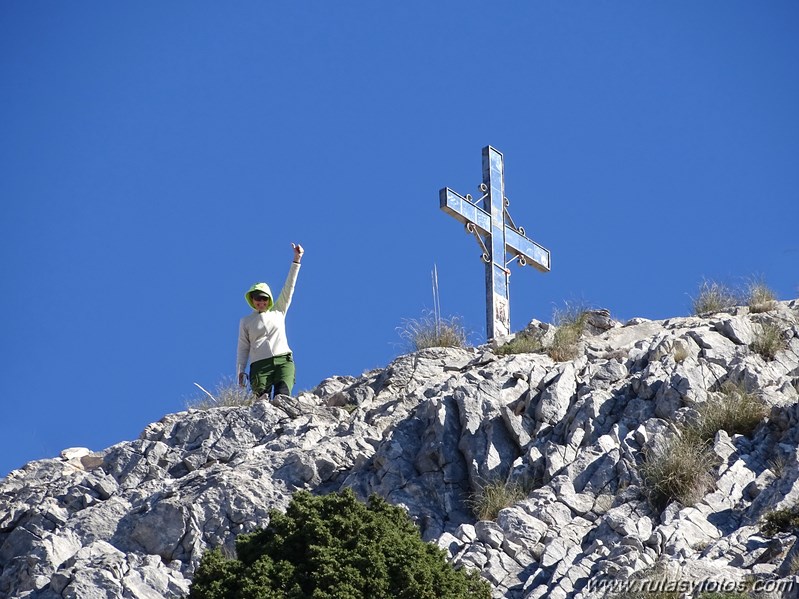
(429, 432)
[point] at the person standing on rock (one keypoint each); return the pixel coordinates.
(262, 337)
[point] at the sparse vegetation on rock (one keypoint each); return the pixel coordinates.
(495, 495)
(714, 297)
(678, 468)
(571, 325)
(732, 409)
(525, 342)
(782, 520)
(681, 466)
(227, 393)
(768, 340)
(431, 330)
(760, 298)
(594, 440)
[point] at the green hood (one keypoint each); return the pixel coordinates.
(263, 287)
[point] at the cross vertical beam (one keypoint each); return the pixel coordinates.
(496, 233)
(497, 275)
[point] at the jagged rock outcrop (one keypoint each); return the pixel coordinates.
(426, 432)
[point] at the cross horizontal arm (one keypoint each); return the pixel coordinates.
(465, 211)
(534, 254)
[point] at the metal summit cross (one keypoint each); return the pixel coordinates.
(496, 233)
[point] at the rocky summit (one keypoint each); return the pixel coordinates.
(431, 432)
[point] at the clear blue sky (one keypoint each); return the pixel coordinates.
(160, 157)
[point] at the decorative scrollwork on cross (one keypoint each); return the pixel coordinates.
(497, 235)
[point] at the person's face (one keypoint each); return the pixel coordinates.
(261, 303)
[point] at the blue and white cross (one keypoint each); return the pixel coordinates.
(496, 233)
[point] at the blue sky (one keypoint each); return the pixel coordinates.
(159, 158)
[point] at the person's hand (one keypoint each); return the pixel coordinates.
(298, 252)
(242, 379)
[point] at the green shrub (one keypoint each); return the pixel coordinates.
(733, 409)
(227, 393)
(678, 469)
(494, 496)
(525, 342)
(785, 520)
(571, 325)
(432, 331)
(760, 298)
(714, 297)
(768, 341)
(335, 547)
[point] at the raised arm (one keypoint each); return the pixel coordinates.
(284, 299)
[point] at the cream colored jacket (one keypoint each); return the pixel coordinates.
(263, 334)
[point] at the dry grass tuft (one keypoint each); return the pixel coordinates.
(678, 469)
(778, 465)
(493, 496)
(525, 342)
(760, 297)
(714, 297)
(680, 353)
(733, 409)
(226, 394)
(432, 331)
(571, 325)
(768, 341)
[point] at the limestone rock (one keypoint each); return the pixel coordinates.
(431, 432)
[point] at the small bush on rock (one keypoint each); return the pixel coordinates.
(494, 496)
(432, 331)
(570, 323)
(335, 547)
(678, 469)
(777, 521)
(760, 297)
(714, 297)
(768, 341)
(778, 465)
(680, 353)
(525, 342)
(785, 520)
(226, 394)
(733, 409)
(571, 326)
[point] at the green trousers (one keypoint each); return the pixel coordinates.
(276, 373)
